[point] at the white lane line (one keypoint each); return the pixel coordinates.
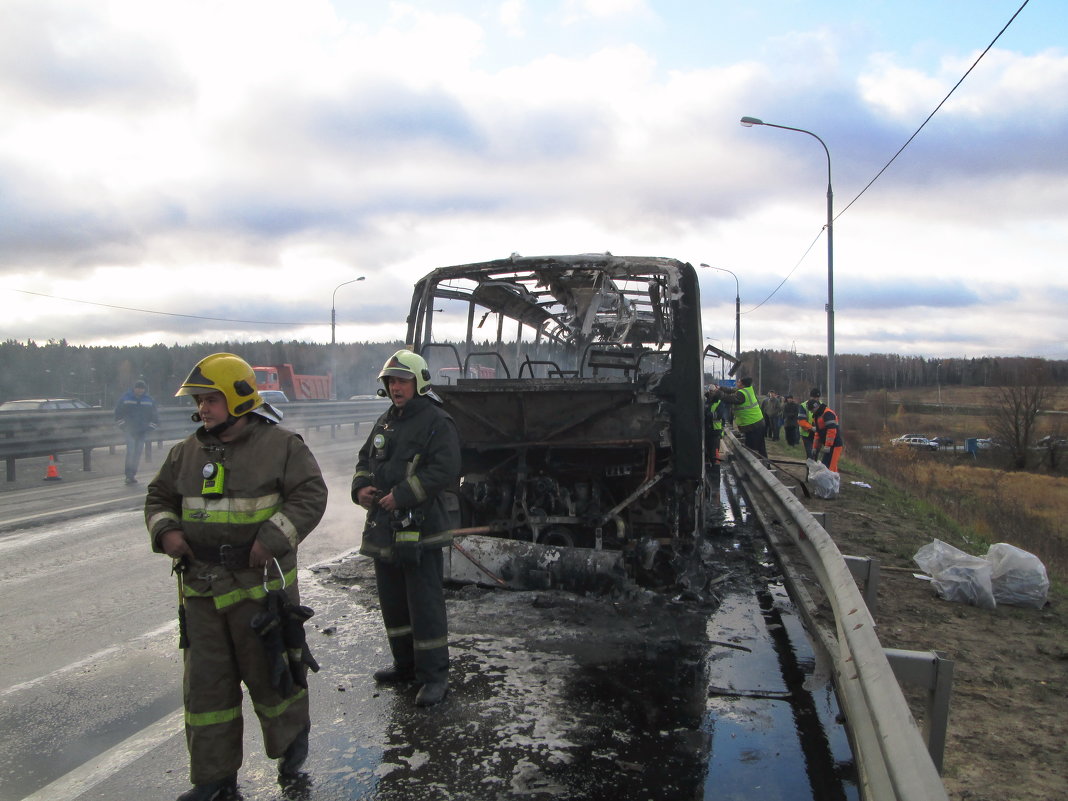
(85, 777)
(65, 510)
(111, 649)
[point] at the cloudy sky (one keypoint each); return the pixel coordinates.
(206, 170)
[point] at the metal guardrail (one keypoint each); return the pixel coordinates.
(35, 434)
(893, 762)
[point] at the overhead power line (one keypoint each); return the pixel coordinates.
(168, 314)
(894, 157)
(931, 115)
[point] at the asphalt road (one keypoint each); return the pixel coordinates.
(707, 693)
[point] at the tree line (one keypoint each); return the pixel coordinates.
(796, 373)
(100, 374)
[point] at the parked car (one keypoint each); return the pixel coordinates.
(273, 396)
(1052, 442)
(986, 443)
(921, 443)
(43, 405)
(942, 442)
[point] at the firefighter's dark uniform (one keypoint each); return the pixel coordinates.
(273, 492)
(414, 453)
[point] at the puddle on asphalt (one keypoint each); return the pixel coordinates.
(716, 700)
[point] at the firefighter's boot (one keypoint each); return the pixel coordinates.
(224, 789)
(433, 692)
(394, 674)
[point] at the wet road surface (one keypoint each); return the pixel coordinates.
(710, 693)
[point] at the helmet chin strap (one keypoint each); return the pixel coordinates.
(215, 430)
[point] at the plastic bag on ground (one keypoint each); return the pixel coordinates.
(825, 481)
(957, 576)
(1019, 577)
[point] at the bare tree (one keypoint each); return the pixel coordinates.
(1016, 408)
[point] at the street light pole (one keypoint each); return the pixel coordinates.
(749, 122)
(737, 310)
(333, 339)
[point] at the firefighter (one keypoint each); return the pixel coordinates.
(410, 459)
(230, 504)
(828, 436)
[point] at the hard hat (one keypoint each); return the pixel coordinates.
(226, 373)
(405, 364)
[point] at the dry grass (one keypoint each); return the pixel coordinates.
(1026, 509)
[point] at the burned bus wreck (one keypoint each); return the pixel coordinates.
(576, 384)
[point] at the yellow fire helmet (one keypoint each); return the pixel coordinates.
(234, 378)
(406, 364)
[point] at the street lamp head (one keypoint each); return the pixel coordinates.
(749, 122)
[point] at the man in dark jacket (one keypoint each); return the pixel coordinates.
(136, 415)
(409, 461)
(790, 410)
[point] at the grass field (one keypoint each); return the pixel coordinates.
(1027, 508)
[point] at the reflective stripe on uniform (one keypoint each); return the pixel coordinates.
(278, 709)
(232, 511)
(159, 516)
(430, 645)
(409, 469)
(406, 536)
(285, 525)
(399, 631)
(211, 718)
(441, 538)
(254, 593)
(416, 487)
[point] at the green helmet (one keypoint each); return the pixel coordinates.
(406, 364)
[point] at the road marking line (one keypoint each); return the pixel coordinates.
(85, 777)
(165, 628)
(30, 518)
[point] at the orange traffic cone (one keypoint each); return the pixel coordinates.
(53, 472)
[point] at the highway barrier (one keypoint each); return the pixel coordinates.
(33, 434)
(894, 763)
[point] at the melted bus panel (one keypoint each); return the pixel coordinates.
(576, 384)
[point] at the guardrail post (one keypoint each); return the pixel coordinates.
(932, 671)
(865, 569)
(87, 460)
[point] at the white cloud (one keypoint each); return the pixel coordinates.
(280, 149)
(1002, 86)
(580, 10)
(511, 14)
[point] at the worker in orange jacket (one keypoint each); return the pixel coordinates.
(828, 436)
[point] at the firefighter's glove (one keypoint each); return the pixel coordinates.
(297, 652)
(268, 625)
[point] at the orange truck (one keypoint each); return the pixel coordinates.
(297, 387)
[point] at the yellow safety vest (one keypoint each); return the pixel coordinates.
(749, 412)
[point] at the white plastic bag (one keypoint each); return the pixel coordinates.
(825, 481)
(1019, 577)
(957, 576)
